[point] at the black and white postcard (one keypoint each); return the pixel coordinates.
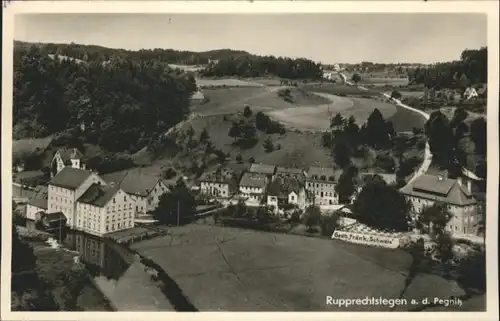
(250, 157)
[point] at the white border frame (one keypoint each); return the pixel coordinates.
(487, 7)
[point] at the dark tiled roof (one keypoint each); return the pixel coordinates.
(283, 186)
(98, 195)
(53, 217)
(39, 198)
(329, 173)
(287, 170)
(70, 178)
(69, 153)
(440, 189)
(133, 183)
(262, 169)
(253, 180)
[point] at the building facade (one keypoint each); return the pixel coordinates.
(456, 194)
(252, 188)
(65, 189)
(66, 157)
(104, 209)
(283, 192)
(218, 185)
(321, 183)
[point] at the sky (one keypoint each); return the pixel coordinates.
(326, 38)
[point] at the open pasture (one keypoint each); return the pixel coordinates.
(230, 269)
(227, 82)
(28, 145)
(341, 90)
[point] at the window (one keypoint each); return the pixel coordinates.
(114, 200)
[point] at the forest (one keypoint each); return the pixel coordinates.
(121, 105)
(471, 69)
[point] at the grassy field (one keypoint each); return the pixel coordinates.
(341, 90)
(26, 145)
(228, 82)
(230, 269)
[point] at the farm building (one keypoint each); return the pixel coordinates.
(427, 189)
(321, 182)
(284, 191)
(253, 188)
(145, 190)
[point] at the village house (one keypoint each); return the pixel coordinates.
(51, 221)
(285, 191)
(104, 209)
(321, 182)
(64, 157)
(427, 189)
(37, 203)
(297, 173)
(253, 188)
(219, 184)
(66, 188)
(263, 169)
(144, 190)
(470, 93)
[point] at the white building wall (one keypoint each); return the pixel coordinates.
(323, 192)
(31, 211)
(154, 196)
(215, 189)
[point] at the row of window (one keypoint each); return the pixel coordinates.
(319, 185)
(110, 228)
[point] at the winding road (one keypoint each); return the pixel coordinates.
(424, 167)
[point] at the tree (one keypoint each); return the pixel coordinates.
(376, 131)
(251, 160)
(356, 78)
(268, 145)
(329, 224)
(441, 139)
(336, 121)
(176, 206)
(342, 152)
(433, 219)
(247, 112)
(478, 135)
(347, 185)
(312, 217)
(204, 137)
(396, 94)
(381, 206)
(459, 116)
(239, 158)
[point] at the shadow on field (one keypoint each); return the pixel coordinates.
(169, 287)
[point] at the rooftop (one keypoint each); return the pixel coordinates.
(440, 189)
(263, 169)
(69, 153)
(39, 197)
(98, 195)
(323, 173)
(132, 183)
(70, 178)
(253, 180)
(54, 217)
(289, 170)
(283, 186)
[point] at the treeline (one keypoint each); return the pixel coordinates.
(122, 106)
(472, 68)
(448, 141)
(260, 66)
(102, 54)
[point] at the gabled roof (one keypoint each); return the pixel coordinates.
(253, 180)
(98, 195)
(69, 153)
(70, 178)
(54, 217)
(133, 183)
(329, 173)
(439, 189)
(262, 169)
(289, 171)
(39, 197)
(283, 186)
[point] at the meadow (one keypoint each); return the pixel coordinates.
(230, 269)
(227, 82)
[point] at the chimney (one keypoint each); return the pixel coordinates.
(469, 186)
(460, 182)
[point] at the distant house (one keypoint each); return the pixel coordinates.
(321, 182)
(104, 209)
(198, 95)
(219, 184)
(252, 188)
(37, 203)
(263, 169)
(51, 221)
(470, 93)
(145, 190)
(66, 157)
(427, 189)
(297, 173)
(286, 190)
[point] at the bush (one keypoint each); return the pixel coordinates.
(239, 158)
(329, 224)
(109, 164)
(251, 160)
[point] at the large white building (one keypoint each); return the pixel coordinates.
(219, 185)
(66, 188)
(104, 209)
(426, 190)
(144, 190)
(320, 183)
(253, 188)
(65, 157)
